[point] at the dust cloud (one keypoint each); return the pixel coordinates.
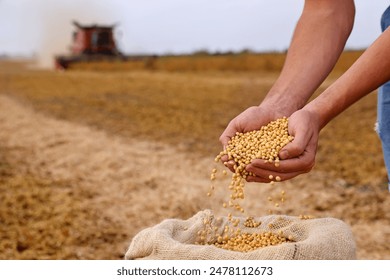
(56, 26)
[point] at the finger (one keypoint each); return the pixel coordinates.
(230, 164)
(296, 147)
(224, 158)
(281, 177)
(229, 132)
(304, 162)
(301, 164)
(272, 175)
(255, 179)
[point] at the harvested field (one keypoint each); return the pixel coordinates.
(88, 159)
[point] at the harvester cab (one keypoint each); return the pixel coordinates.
(90, 43)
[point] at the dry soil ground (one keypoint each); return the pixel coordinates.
(79, 177)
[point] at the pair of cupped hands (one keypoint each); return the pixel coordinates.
(296, 158)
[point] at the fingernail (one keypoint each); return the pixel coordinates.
(283, 154)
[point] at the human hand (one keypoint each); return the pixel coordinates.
(252, 118)
(297, 157)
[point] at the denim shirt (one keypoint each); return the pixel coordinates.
(385, 20)
(383, 110)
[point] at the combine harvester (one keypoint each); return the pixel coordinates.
(91, 43)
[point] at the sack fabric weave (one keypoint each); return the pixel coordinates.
(315, 239)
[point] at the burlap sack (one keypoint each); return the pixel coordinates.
(316, 239)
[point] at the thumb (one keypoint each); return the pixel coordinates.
(296, 147)
(229, 132)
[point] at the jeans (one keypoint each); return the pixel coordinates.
(383, 114)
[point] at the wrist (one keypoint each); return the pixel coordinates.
(280, 105)
(316, 112)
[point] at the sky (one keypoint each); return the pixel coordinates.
(43, 27)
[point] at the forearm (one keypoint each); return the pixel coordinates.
(318, 40)
(369, 72)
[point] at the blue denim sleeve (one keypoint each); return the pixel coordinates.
(383, 109)
(385, 20)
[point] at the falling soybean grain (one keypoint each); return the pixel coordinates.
(265, 144)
